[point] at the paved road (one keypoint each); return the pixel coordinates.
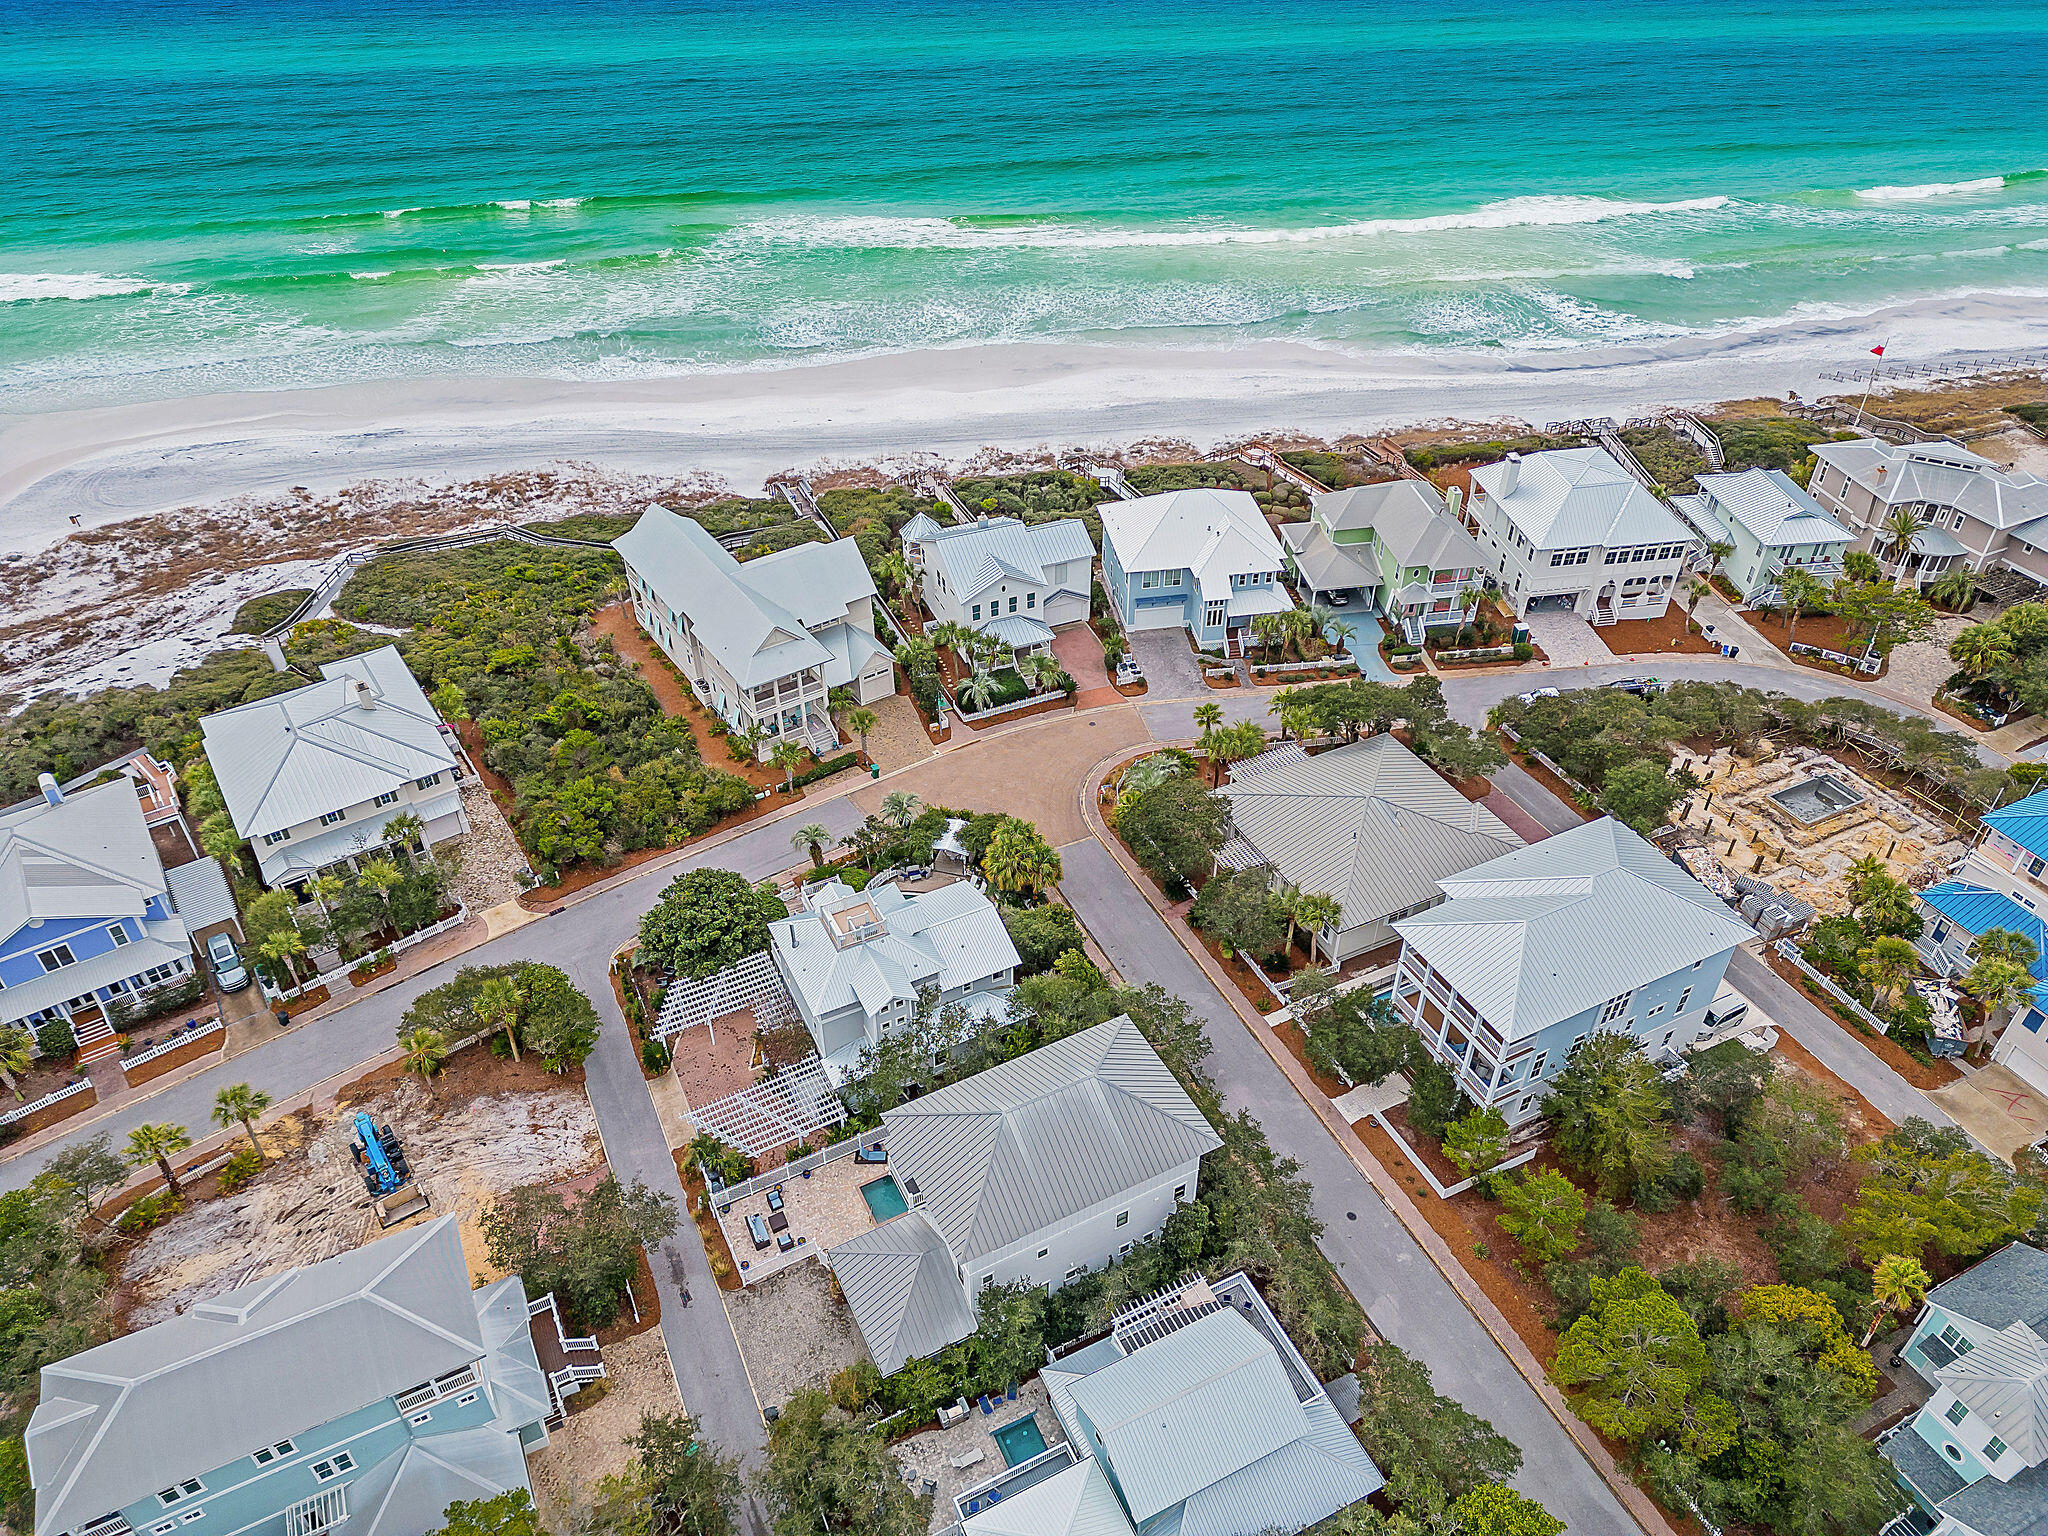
(1408, 1299)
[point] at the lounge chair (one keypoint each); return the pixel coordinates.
(784, 1241)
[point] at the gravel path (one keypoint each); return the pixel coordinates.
(492, 860)
(1921, 667)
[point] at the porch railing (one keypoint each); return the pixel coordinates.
(324, 1510)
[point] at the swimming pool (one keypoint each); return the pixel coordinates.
(884, 1199)
(1020, 1439)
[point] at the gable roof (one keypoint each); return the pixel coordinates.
(229, 1375)
(1215, 534)
(2025, 822)
(2005, 1382)
(1773, 507)
(945, 938)
(1408, 517)
(364, 730)
(1369, 823)
(1976, 910)
(1025, 1145)
(1567, 497)
(88, 856)
(1944, 474)
(2003, 1288)
(1542, 934)
(1076, 1502)
(977, 555)
(903, 1289)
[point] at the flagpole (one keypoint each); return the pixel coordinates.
(1871, 382)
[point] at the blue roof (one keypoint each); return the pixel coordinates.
(2025, 822)
(1976, 911)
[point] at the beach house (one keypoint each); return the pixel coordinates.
(86, 914)
(2001, 883)
(1568, 530)
(1201, 560)
(1592, 931)
(1369, 823)
(1396, 547)
(1037, 1170)
(370, 1390)
(1003, 577)
(1974, 1459)
(856, 962)
(312, 778)
(1771, 524)
(762, 643)
(1196, 1415)
(1969, 510)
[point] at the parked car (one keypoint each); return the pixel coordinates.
(229, 974)
(1340, 599)
(1128, 670)
(1537, 693)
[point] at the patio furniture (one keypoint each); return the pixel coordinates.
(987, 1407)
(968, 1459)
(784, 1242)
(757, 1229)
(775, 1198)
(779, 1222)
(1013, 1392)
(874, 1154)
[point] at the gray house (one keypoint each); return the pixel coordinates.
(1369, 823)
(372, 1389)
(1969, 509)
(1038, 1170)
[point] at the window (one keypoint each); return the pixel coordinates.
(1151, 578)
(1523, 1107)
(1215, 614)
(389, 797)
(1536, 1066)
(1956, 1341)
(1043, 1252)
(1124, 1251)
(977, 611)
(270, 1453)
(1683, 998)
(1180, 1193)
(1957, 1412)
(1612, 556)
(56, 957)
(283, 835)
(1616, 1007)
(1077, 1271)
(164, 1528)
(180, 1491)
(329, 818)
(118, 932)
(334, 1466)
(465, 1400)
(1123, 1218)
(428, 782)
(1013, 605)
(190, 1515)
(1558, 558)
(1030, 599)
(1952, 1453)
(424, 1416)
(1994, 1447)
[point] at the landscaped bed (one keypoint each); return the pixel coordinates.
(1671, 633)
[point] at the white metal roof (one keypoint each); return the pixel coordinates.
(1026, 1145)
(977, 555)
(1076, 1502)
(200, 894)
(1215, 534)
(1565, 498)
(1019, 631)
(1775, 509)
(945, 938)
(364, 730)
(88, 856)
(1542, 934)
(904, 1290)
(2005, 1382)
(1370, 823)
(1942, 474)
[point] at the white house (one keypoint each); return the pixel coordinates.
(762, 643)
(1201, 560)
(312, 777)
(1772, 525)
(999, 575)
(1369, 823)
(1036, 1170)
(1970, 510)
(856, 961)
(1568, 529)
(1590, 931)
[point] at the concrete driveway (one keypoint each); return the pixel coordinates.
(1170, 668)
(2001, 1110)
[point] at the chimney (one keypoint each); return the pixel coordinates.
(274, 649)
(47, 783)
(366, 696)
(1456, 499)
(1510, 473)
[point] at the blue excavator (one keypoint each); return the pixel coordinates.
(394, 1193)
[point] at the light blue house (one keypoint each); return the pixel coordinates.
(1975, 1457)
(1201, 560)
(1589, 932)
(373, 1389)
(1772, 525)
(85, 912)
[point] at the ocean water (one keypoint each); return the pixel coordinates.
(254, 194)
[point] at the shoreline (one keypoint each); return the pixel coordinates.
(914, 409)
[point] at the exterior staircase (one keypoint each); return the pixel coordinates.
(1603, 615)
(96, 1040)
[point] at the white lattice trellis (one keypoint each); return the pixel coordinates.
(753, 985)
(782, 1109)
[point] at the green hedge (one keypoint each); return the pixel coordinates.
(827, 768)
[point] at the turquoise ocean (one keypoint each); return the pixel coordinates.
(258, 194)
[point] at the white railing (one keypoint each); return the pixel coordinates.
(81, 1086)
(975, 717)
(331, 979)
(324, 1510)
(795, 1168)
(176, 1042)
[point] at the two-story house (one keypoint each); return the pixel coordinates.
(1969, 509)
(2001, 883)
(1592, 931)
(313, 777)
(1568, 530)
(1396, 547)
(1200, 560)
(763, 643)
(1037, 1170)
(1975, 1457)
(370, 1390)
(856, 962)
(86, 915)
(1003, 577)
(1771, 526)
(1197, 1416)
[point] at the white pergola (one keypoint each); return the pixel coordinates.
(754, 985)
(775, 1112)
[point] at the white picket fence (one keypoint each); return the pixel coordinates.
(81, 1086)
(333, 979)
(176, 1042)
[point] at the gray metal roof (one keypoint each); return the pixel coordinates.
(2003, 1288)
(2005, 1382)
(121, 1420)
(89, 856)
(363, 731)
(1076, 1502)
(410, 1490)
(1775, 509)
(903, 1289)
(1325, 565)
(1942, 474)
(977, 555)
(1028, 1144)
(1409, 518)
(1564, 498)
(199, 892)
(1369, 823)
(1542, 934)
(945, 938)
(1214, 534)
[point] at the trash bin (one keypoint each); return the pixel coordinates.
(874, 770)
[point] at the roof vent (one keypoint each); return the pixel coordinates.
(1510, 473)
(52, 792)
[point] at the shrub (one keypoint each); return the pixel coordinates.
(239, 1170)
(654, 1055)
(149, 1211)
(54, 1039)
(1433, 1099)
(1524, 651)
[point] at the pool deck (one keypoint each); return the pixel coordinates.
(824, 1210)
(930, 1455)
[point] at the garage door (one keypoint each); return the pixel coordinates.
(1065, 610)
(1158, 615)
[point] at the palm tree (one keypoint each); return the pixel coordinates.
(497, 1003)
(382, 876)
(1695, 592)
(422, 1051)
(978, 691)
(899, 808)
(1236, 743)
(217, 835)
(1980, 649)
(787, 756)
(240, 1104)
(860, 722)
(155, 1144)
(1271, 628)
(1318, 617)
(406, 831)
(1315, 911)
(1896, 1284)
(17, 1051)
(1718, 550)
(1337, 634)
(1019, 859)
(282, 947)
(1886, 965)
(1957, 588)
(892, 570)
(1208, 716)
(811, 838)
(1802, 590)
(1040, 669)
(1897, 531)
(324, 889)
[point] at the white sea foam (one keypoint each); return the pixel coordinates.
(561, 202)
(370, 277)
(1920, 193)
(398, 213)
(22, 287)
(522, 266)
(515, 204)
